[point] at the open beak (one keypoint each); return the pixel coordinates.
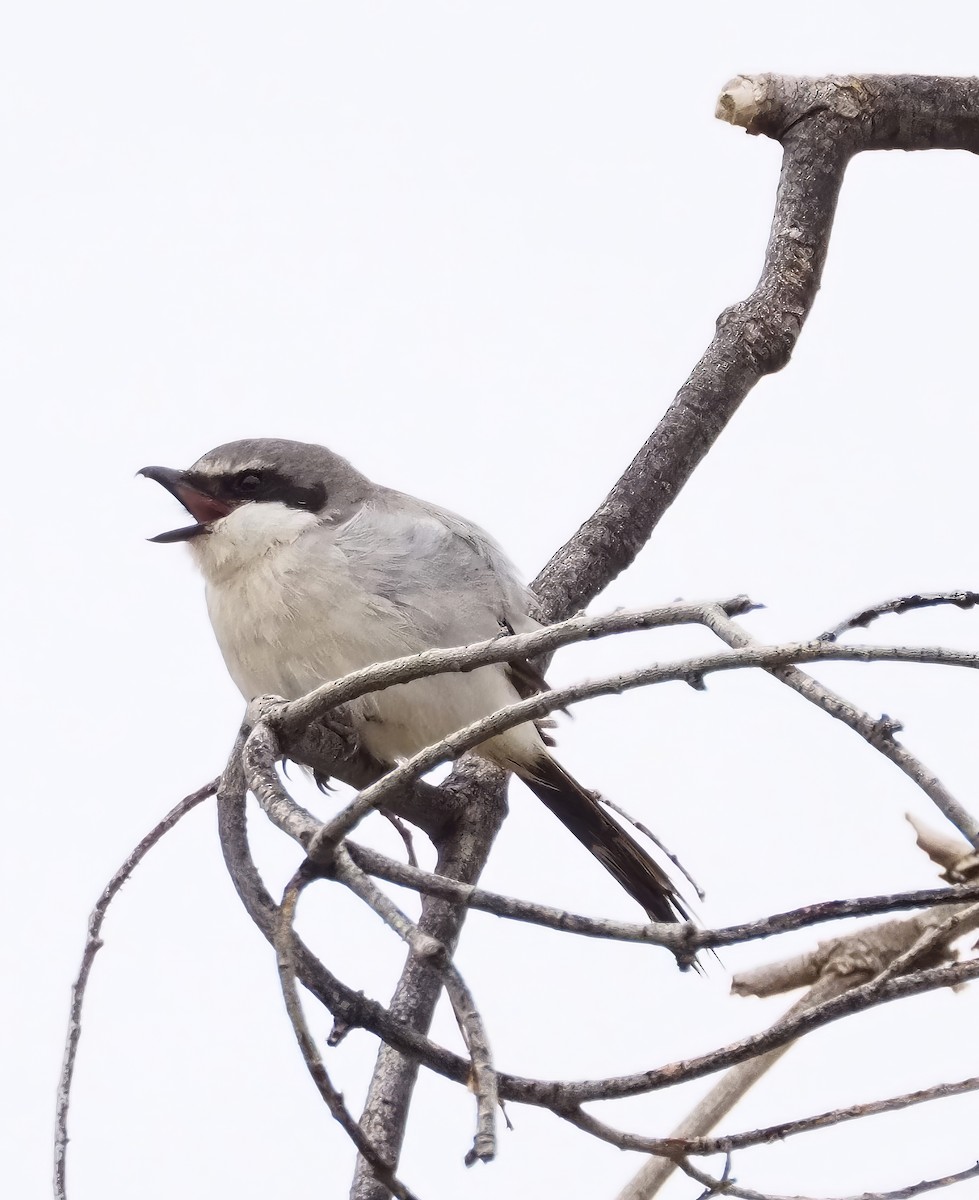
(202, 507)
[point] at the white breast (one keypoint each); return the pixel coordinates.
(285, 612)
(289, 615)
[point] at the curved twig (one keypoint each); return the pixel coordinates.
(93, 944)
(725, 1187)
(285, 958)
(289, 718)
(899, 605)
(859, 999)
(357, 1010)
(764, 657)
(431, 952)
(878, 733)
(676, 938)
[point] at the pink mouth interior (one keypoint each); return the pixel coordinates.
(204, 509)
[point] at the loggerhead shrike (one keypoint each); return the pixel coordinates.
(313, 571)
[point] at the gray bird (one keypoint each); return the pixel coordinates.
(313, 571)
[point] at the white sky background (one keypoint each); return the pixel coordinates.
(476, 248)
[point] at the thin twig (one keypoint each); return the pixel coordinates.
(858, 999)
(468, 1017)
(899, 605)
(484, 1080)
(93, 943)
(677, 938)
(725, 1187)
(404, 832)
(289, 718)
(761, 657)
(357, 1010)
(285, 957)
(259, 756)
(675, 1145)
(835, 1116)
(877, 733)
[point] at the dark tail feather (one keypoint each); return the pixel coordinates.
(579, 811)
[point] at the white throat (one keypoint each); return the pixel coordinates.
(246, 535)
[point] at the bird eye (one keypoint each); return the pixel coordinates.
(248, 482)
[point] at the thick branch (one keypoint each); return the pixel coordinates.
(868, 112)
(433, 955)
(754, 338)
(285, 958)
(479, 791)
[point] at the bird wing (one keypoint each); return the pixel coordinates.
(448, 576)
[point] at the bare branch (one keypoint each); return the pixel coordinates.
(723, 1187)
(290, 718)
(720, 1100)
(875, 951)
(284, 946)
(678, 938)
(835, 1116)
(478, 790)
(764, 657)
(753, 338)
(878, 733)
(870, 112)
(93, 944)
(899, 605)
(877, 955)
(351, 1009)
(433, 954)
(259, 756)
(859, 999)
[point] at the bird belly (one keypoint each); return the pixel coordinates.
(398, 722)
(280, 639)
